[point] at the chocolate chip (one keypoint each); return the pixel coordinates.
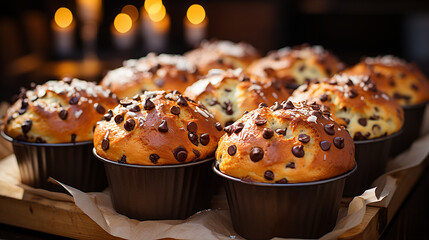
(134, 108)
(256, 154)
(245, 112)
(213, 102)
(238, 127)
(301, 68)
(230, 122)
(359, 136)
(346, 120)
(182, 101)
(159, 82)
(74, 100)
(362, 121)
(288, 105)
(401, 96)
(100, 109)
(244, 78)
(414, 87)
(205, 139)
(298, 151)
(325, 145)
(276, 106)
(374, 117)
(125, 102)
(197, 153)
(339, 142)
(269, 175)
(323, 97)
(193, 138)
(218, 126)
(163, 126)
(315, 113)
(282, 181)
(137, 97)
(105, 144)
(332, 82)
(290, 165)
(315, 106)
(26, 126)
(175, 110)
(63, 114)
(261, 105)
(350, 82)
(108, 115)
(119, 119)
(232, 150)
(40, 140)
(267, 133)
(123, 159)
(220, 61)
(352, 93)
(304, 138)
(229, 129)
(154, 158)
(372, 87)
(148, 104)
(281, 131)
(227, 106)
(329, 129)
(180, 154)
(129, 124)
(24, 104)
(227, 90)
(73, 138)
(260, 121)
(192, 127)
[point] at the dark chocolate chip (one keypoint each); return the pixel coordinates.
(123, 159)
(323, 97)
(154, 68)
(180, 154)
(362, 121)
(205, 139)
(22, 111)
(100, 109)
(315, 113)
(401, 96)
(197, 153)
(269, 175)
(256, 154)
(213, 102)
(267, 133)
(261, 105)
(26, 126)
(245, 112)
(352, 93)
(218, 126)
(193, 138)
(182, 101)
(227, 106)
(73, 138)
(339, 142)
(346, 120)
(374, 117)
(301, 68)
(329, 129)
(119, 119)
(315, 107)
(359, 136)
(137, 97)
(414, 87)
(134, 108)
(63, 114)
(105, 144)
(350, 82)
(282, 181)
(175, 110)
(276, 106)
(372, 87)
(260, 121)
(74, 100)
(125, 102)
(229, 129)
(325, 145)
(230, 122)
(232, 150)
(304, 138)
(288, 105)
(220, 61)
(332, 82)
(227, 90)
(154, 158)
(244, 78)
(290, 165)
(163, 126)
(238, 127)
(281, 131)
(298, 151)
(129, 124)
(108, 115)
(148, 104)
(192, 127)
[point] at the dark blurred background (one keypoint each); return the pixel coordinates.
(29, 50)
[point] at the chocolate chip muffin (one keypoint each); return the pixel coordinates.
(222, 55)
(401, 80)
(150, 73)
(58, 112)
(356, 103)
(287, 143)
(294, 66)
(229, 94)
(157, 128)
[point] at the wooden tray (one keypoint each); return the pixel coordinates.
(24, 209)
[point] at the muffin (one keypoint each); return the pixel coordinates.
(228, 94)
(51, 128)
(277, 162)
(294, 66)
(151, 73)
(371, 117)
(406, 84)
(157, 150)
(222, 55)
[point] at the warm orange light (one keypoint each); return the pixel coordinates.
(132, 11)
(63, 17)
(156, 12)
(123, 22)
(196, 14)
(149, 3)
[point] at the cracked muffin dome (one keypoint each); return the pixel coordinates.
(222, 55)
(294, 66)
(150, 73)
(58, 112)
(157, 128)
(401, 80)
(228, 94)
(355, 102)
(286, 143)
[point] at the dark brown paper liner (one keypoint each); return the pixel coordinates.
(295, 210)
(70, 163)
(159, 192)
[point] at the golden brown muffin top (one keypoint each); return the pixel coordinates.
(355, 102)
(157, 128)
(287, 143)
(58, 112)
